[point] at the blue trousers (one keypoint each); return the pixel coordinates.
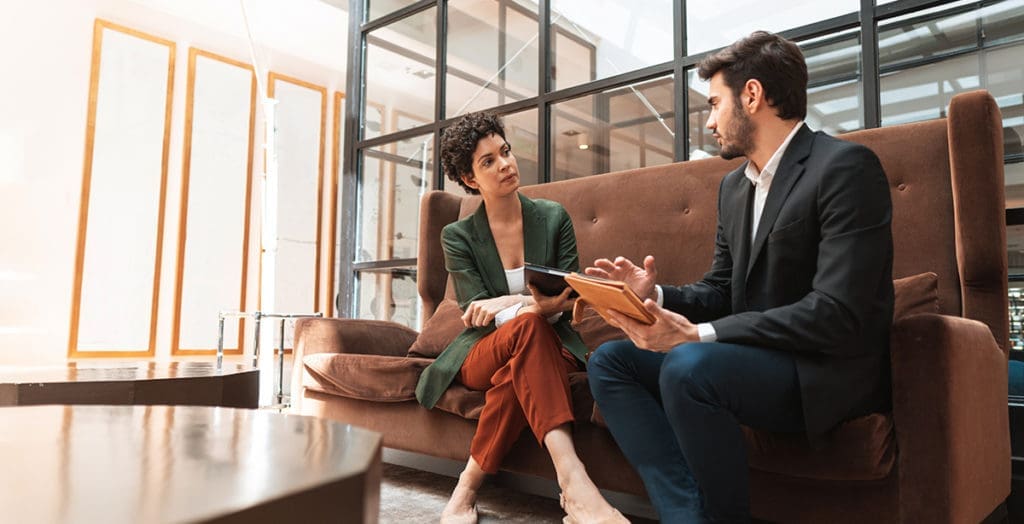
(677, 415)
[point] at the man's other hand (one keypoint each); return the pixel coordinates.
(639, 279)
(668, 330)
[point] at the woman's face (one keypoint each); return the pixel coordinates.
(495, 171)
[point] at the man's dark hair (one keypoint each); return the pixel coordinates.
(459, 141)
(772, 60)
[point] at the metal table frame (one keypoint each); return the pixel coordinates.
(258, 316)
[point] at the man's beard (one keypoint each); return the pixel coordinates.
(741, 136)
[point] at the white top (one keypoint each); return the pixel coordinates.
(516, 279)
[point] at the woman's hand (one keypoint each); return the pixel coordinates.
(481, 312)
(545, 305)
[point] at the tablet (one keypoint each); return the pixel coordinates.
(548, 280)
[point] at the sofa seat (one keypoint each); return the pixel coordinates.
(365, 377)
(861, 449)
(381, 378)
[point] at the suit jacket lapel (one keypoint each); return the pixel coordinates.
(790, 169)
(485, 252)
(535, 246)
(742, 199)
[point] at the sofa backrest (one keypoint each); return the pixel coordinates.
(945, 175)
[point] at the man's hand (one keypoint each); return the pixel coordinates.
(639, 279)
(668, 330)
(481, 312)
(545, 305)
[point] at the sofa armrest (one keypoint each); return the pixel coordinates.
(345, 335)
(952, 424)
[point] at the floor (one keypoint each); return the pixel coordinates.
(414, 496)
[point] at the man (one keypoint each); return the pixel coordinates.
(789, 329)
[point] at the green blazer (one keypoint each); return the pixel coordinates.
(473, 263)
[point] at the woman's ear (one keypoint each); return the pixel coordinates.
(469, 180)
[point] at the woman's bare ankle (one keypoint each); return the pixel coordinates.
(583, 501)
(461, 507)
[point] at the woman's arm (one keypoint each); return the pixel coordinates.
(472, 292)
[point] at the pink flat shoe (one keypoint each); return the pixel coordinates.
(568, 519)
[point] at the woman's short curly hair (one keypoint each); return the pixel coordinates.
(459, 141)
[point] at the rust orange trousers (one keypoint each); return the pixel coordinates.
(525, 372)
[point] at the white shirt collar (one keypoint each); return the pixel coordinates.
(769, 169)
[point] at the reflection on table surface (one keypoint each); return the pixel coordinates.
(105, 371)
(164, 463)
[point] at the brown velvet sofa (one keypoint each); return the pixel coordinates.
(941, 455)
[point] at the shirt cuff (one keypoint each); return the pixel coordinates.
(507, 314)
(707, 332)
(660, 299)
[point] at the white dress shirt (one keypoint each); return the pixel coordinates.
(762, 183)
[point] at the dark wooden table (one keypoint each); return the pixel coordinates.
(125, 383)
(153, 464)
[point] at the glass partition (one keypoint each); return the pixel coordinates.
(492, 46)
(395, 175)
(618, 129)
(400, 70)
(595, 39)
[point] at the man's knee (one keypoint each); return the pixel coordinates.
(610, 355)
(690, 368)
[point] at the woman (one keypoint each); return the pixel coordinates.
(518, 348)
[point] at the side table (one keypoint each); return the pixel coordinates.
(122, 383)
(258, 317)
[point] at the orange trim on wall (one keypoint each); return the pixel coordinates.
(333, 193)
(183, 216)
(94, 76)
(272, 77)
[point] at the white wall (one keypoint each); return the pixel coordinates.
(45, 60)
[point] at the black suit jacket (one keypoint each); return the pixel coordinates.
(817, 279)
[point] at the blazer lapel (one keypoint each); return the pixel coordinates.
(535, 247)
(485, 252)
(742, 199)
(790, 169)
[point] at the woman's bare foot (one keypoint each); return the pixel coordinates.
(461, 507)
(583, 502)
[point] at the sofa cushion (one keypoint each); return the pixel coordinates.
(860, 449)
(916, 294)
(364, 377)
(462, 401)
(594, 331)
(439, 331)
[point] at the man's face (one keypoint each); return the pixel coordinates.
(729, 123)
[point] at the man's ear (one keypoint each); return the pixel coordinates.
(753, 96)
